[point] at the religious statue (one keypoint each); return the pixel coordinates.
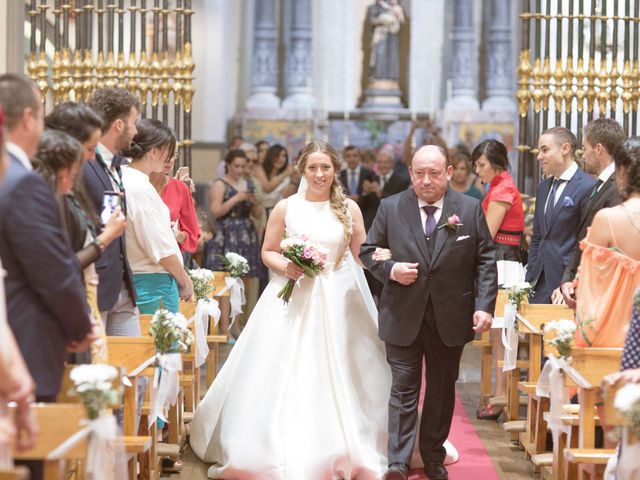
(386, 19)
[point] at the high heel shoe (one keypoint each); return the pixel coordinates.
(487, 413)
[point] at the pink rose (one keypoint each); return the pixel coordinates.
(453, 220)
(307, 253)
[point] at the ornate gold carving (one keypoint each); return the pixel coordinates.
(524, 71)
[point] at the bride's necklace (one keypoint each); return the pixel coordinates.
(630, 216)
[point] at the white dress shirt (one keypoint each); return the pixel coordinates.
(107, 156)
(606, 174)
(566, 176)
(148, 232)
(20, 154)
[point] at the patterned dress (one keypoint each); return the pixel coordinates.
(235, 232)
(631, 352)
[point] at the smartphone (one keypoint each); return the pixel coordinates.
(182, 171)
(110, 201)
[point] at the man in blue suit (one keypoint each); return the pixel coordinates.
(560, 201)
(46, 303)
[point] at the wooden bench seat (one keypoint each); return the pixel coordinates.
(594, 456)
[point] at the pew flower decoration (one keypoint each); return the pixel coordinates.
(308, 255)
(235, 264)
(93, 384)
(564, 331)
(627, 401)
(170, 332)
(517, 292)
(201, 279)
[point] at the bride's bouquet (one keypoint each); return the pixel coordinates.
(308, 255)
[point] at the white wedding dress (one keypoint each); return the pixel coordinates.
(304, 392)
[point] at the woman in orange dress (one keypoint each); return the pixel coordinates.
(609, 271)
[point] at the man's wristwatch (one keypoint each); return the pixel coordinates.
(98, 243)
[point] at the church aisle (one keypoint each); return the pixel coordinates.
(508, 461)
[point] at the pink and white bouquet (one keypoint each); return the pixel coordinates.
(308, 255)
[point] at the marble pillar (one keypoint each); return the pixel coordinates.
(299, 66)
(264, 66)
(500, 68)
(463, 73)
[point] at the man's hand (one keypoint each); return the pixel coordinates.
(556, 297)
(26, 428)
(381, 254)
(86, 342)
(404, 273)
(569, 294)
(626, 376)
(482, 321)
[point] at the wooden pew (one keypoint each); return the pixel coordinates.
(486, 362)
(130, 353)
(57, 422)
(16, 473)
(533, 438)
(589, 367)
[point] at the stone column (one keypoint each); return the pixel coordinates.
(465, 58)
(500, 68)
(264, 68)
(299, 68)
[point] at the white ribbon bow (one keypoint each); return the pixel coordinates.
(165, 384)
(551, 385)
(105, 457)
(510, 337)
(236, 296)
(204, 309)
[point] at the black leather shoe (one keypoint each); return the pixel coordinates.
(435, 471)
(397, 471)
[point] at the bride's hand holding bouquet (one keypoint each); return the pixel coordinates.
(305, 258)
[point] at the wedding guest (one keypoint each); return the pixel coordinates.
(560, 200)
(368, 160)
(119, 110)
(462, 179)
(59, 160)
(277, 177)
(502, 207)
(609, 270)
(601, 137)
(156, 261)
(261, 147)
(182, 211)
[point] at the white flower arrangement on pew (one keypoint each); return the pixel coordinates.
(201, 279)
(627, 401)
(94, 385)
(564, 331)
(170, 332)
(235, 264)
(517, 292)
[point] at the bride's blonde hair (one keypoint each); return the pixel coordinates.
(337, 199)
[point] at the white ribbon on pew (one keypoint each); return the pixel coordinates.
(204, 309)
(551, 385)
(237, 299)
(105, 458)
(166, 384)
(510, 337)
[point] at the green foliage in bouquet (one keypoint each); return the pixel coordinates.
(170, 332)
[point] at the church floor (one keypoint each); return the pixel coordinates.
(508, 461)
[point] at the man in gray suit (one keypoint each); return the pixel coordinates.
(439, 288)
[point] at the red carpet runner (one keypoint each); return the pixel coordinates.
(474, 463)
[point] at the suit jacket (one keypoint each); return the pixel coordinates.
(112, 266)
(607, 196)
(459, 277)
(46, 301)
(396, 184)
(367, 203)
(550, 248)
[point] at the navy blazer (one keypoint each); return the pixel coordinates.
(551, 247)
(112, 266)
(459, 276)
(46, 301)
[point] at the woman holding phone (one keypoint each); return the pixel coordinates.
(155, 258)
(177, 197)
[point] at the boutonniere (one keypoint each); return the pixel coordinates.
(452, 223)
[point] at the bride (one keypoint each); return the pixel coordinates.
(304, 392)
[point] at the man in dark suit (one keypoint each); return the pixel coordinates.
(357, 181)
(439, 289)
(46, 304)
(116, 293)
(601, 137)
(560, 201)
